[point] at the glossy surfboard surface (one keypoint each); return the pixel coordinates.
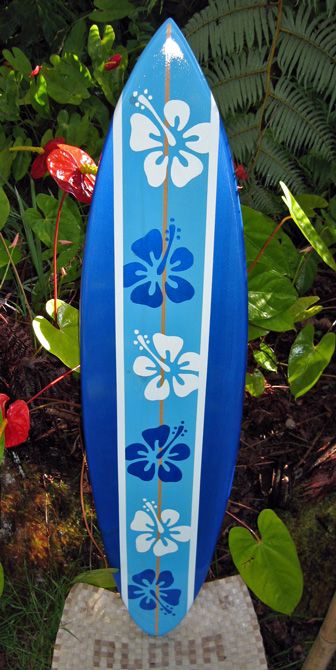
(163, 333)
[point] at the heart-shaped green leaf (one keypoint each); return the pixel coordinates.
(63, 341)
(269, 566)
(43, 224)
(269, 294)
(102, 578)
(307, 229)
(306, 361)
(301, 310)
(255, 383)
(266, 358)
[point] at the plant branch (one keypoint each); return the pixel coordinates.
(267, 86)
(55, 381)
(58, 217)
(268, 241)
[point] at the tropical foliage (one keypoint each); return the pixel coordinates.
(272, 70)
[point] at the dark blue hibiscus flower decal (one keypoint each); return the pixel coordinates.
(160, 264)
(158, 455)
(145, 588)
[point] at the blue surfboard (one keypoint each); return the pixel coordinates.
(163, 333)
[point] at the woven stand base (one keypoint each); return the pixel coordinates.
(220, 632)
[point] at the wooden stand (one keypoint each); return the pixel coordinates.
(220, 632)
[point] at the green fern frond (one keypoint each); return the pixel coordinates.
(327, 6)
(307, 48)
(242, 132)
(228, 25)
(276, 113)
(318, 171)
(331, 7)
(299, 122)
(274, 163)
(238, 81)
(262, 199)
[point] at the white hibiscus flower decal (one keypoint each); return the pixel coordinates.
(159, 534)
(167, 366)
(170, 143)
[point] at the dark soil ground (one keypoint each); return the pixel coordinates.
(286, 461)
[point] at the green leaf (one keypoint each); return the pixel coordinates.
(280, 254)
(254, 332)
(301, 310)
(102, 578)
(306, 272)
(100, 49)
(311, 202)
(255, 383)
(62, 342)
(43, 224)
(4, 208)
(68, 81)
(75, 41)
(18, 60)
(306, 361)
(266, 358)
(22, 159)
(40, 100)
(2, 580)
(269, 294)
(306, 227)
(111, 10)
(270, 566)
(15, 254)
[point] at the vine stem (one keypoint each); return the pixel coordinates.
(242, 523)
(268, 241)
(55, 381)
(267, 85)
(58, 218)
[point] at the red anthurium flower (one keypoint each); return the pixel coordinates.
(73, 170)
(241, 173)
(17, 421)
(36, 71)
(39, 165)
(113, 62)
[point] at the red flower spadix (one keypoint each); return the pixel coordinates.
(17, 421)
(39, 165)
(73, 170)
(113, 62)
